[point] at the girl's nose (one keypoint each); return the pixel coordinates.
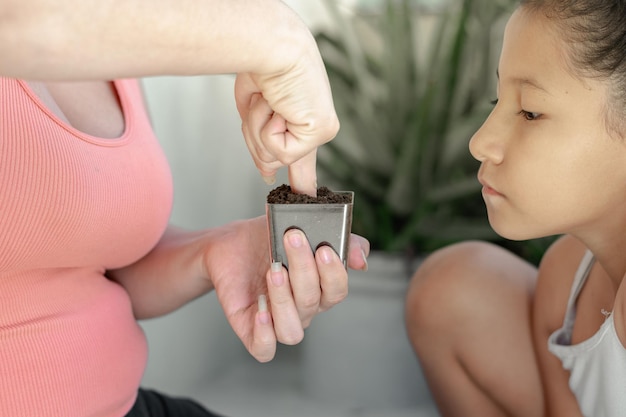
(486, 144)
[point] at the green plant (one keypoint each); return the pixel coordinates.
(410, 89)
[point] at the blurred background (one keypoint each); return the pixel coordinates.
(412, 80)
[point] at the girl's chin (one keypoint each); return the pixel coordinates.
(513, 232)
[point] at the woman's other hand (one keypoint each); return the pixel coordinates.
(267, 304)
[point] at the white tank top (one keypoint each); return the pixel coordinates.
(597, 365)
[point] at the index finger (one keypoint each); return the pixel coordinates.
(303, 174)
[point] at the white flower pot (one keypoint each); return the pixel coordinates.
(357, 354)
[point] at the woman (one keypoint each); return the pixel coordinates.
(85, 194)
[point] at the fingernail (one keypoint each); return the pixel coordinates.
(295, 238)
(264, 315)
(364, 260)
(277, 267)
(277, 274)
(326, 254)
(270, 180)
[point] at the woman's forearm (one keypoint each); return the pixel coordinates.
(95, 39)
(171, 275)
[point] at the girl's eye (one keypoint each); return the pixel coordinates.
(528, 115)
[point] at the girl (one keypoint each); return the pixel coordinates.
(495, 336)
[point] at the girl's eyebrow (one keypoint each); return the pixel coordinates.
(525, 81)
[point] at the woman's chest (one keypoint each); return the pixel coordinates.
(92, 107)
(70, 199)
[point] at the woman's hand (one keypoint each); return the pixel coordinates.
(264, 303)
(286, 116)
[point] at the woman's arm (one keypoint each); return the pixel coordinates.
(234, 260)
(95, 39)
(282, 91)
(169, 276)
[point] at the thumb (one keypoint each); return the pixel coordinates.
(263, 345)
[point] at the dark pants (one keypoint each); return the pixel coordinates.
(152, 404)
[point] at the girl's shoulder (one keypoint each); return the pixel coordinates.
(592, 296)
(563, 257)
(556, 275)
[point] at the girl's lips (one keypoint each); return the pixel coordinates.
(487, 189)
(490, 191)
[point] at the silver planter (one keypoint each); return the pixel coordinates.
(323, 224)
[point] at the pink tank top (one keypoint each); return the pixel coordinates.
(71, 207)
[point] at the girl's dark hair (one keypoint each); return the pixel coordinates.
(595, 31)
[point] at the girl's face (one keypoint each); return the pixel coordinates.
(548, 164)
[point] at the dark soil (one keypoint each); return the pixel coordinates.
(283, 195)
